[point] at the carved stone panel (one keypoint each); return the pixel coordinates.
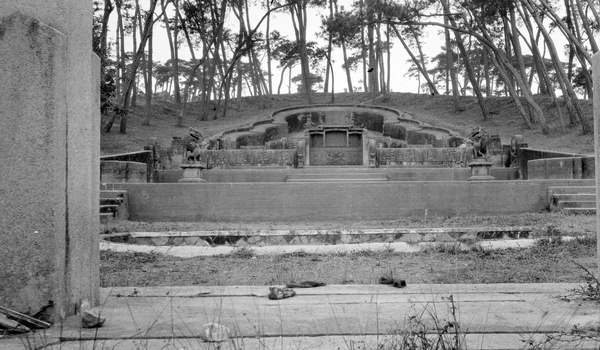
(336, 156)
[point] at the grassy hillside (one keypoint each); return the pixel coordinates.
(435, 110)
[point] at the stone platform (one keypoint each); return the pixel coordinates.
(494, 316)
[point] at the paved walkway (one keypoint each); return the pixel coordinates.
(494, 316)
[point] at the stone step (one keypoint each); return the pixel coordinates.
(108, 208)
(111, 201)
(106, 217)
(336, 177)
(241, 238)
(577, 204)
(572, 189)
(574, 197)
(115, 204)
(580, 211)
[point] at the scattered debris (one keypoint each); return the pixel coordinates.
(24, 319)
(276, 293)
(214, 332)
(12, 326)
(91, 318)
(305, 284)
(393, 282)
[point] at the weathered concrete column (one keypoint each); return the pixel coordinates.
(596, 69)
(49, 156)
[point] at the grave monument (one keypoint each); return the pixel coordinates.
(50, 150)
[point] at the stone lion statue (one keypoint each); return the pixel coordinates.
(191, 143)
(480, 139)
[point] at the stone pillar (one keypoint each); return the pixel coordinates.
(596, 68)
(49, 142)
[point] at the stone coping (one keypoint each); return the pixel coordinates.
(279, 238)
(422, 230)
(393, 247)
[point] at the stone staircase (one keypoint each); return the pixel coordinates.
(338, 177)
(113, 206)
(572, 199)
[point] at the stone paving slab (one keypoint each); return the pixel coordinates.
(496, 316)
(484, 341)
(294, 237)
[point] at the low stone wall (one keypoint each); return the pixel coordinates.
(112, 171)
(146, 157)
(554, 168)
(406, 156)
(285, 202)
(248, 157)
(525, 155)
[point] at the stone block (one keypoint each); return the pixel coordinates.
(254, 239)
(160, 240)
(411, 238)
(33, 138)
(176, 240)
(536, 169)
(429, 237)
(444, 237)
(241, 243)
(113, 171)
(49, 249)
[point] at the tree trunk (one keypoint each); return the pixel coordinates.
(586, 26)
(543, 75)
(134, 65)
(501, 59)
(268, 42)
(281, 80)
(417, 63)
(373, 66)
(108, 8)
(467, 63)
(173, 49)
(457, 105)
(345, 54)
(148, 82)
(363, 50)
(570, 95)
(329, 48)
(570, 35)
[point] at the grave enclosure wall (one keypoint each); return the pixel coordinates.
(49, 134)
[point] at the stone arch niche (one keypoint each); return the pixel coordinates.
(336, 145)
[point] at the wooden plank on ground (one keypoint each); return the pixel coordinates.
(347, 289)
(22, 318)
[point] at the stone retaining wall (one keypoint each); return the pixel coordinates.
(285, 202)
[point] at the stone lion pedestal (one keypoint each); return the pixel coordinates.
(480, 170)
(192, 173)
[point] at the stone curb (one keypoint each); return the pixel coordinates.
(396, 247)
(241, 238)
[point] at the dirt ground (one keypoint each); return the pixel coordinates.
(546, 262)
